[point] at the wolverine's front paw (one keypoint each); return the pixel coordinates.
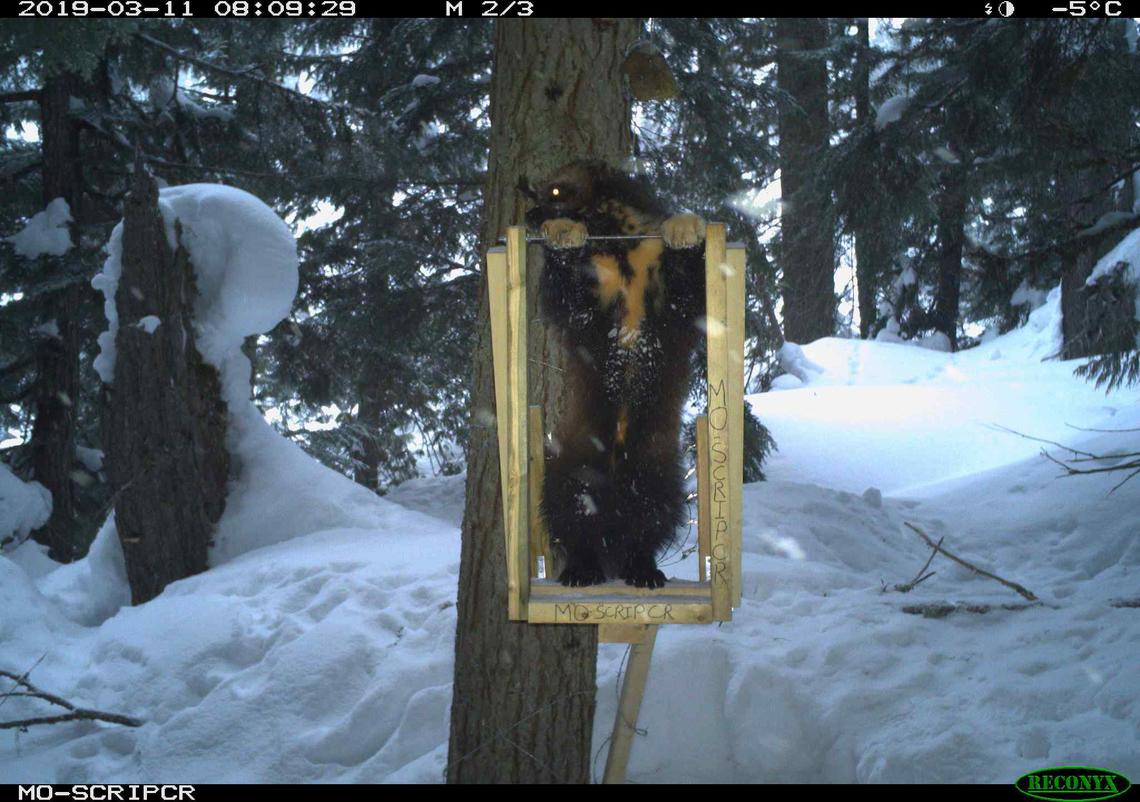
(683, 231)
(563, 233)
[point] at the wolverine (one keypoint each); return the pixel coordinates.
(628, 312)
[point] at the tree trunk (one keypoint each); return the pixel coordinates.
(523, 701)
(872, 259)
(166, 422)
(366, 451)
(1087, 194)
(1080, 329)
(57, 358)
(952, 199)
(807, 217)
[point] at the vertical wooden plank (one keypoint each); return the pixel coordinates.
(720, 484)
(539, 537)
(518, 545)
(497, 299)
(629, 706)
(622, 633)
(736, 291)
(703, 500)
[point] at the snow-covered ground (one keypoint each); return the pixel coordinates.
(823, 677)
(319, 645)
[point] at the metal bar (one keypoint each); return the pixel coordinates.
(598, 237)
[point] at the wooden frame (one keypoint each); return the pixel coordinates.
(620, 609)
(622, 613)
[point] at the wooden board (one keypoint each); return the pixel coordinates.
(720, 445)
(656, 609)
(735, 293)
(549, 588)
(518, 545)
(506, 285)
(539, 537)
(704, 523)
(497, 300)
(622, 633)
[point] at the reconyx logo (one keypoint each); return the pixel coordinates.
(1065, 783)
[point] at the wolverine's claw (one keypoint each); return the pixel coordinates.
(563, 233)
(683, 231)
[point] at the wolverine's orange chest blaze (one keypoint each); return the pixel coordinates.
(630, 287)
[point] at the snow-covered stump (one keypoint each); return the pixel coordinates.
(166, 419)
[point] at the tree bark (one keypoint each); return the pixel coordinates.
(523, 700)
(1080, 328)
(57, 358)
(1081, 324)
(807, 216)
(952, 199)
(366, 454)
(872, 258)
(166, 422)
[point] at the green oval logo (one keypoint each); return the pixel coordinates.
(1065, 783)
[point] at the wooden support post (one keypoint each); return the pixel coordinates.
(735, 286)
(506, 283)
(703, 510)
(720, 441)
(497, 298)
(518, 568)
(629, 706)
(539, 537)
(622, 633)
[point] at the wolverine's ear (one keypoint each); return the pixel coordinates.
(526, 189)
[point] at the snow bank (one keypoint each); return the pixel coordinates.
(796, 363)
(900, 417)
(91, 590)
(438, 496)
(46, 233)
(24, 506)
(324, 659)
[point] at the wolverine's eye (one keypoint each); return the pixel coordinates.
(555, 192)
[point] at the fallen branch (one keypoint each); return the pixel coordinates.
(1076, 452)
(920, 577)
(943, 609)
(74, 713)
(1086, 456)
(1106, 431)
(938, 547)
(1133, 466)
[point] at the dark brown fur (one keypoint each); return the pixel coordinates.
(613, 493)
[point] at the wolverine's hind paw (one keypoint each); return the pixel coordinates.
(643, 575)
(683, 231)
(579, 576)
(563, 233)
